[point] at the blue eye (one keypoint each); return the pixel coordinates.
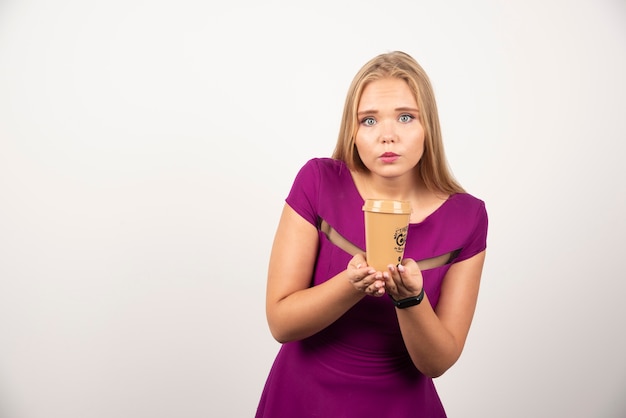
(406, 118)
(368, 121)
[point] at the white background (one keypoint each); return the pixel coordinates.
(146, 148)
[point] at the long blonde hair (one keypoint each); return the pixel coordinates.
(433, 167)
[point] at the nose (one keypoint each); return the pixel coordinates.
(387, 133)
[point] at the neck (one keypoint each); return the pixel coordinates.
(409, 187)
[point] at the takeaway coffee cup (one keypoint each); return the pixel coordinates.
(386, 227)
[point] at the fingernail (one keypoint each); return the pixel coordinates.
(400, 268)
(358, 266)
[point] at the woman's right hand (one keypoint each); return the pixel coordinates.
(364, 278)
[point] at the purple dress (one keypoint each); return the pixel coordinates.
(358, 367)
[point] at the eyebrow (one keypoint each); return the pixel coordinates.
(397, 109)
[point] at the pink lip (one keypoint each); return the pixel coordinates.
(389, 157)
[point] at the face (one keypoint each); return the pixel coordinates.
(390, 136)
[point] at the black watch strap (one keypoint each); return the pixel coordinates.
(412, 301)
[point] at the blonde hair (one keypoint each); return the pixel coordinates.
(433, 167)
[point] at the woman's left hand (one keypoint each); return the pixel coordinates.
(404, 280)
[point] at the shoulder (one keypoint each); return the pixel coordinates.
(326, 164)
(465, 202)
(466, 210)
(319, 173)
(319, 185)
(471, 211)
(324, 169)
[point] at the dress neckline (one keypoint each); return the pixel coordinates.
(434, 212)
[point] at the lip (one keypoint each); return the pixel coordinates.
(389, 157)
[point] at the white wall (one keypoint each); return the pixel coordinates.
(146, 149)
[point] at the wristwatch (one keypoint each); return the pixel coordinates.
(411, 301)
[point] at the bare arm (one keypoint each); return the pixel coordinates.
(294, 309)
(435, 339)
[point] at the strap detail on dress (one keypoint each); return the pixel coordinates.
(337, 239)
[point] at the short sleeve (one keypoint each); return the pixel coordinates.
(477, 241)
(304, 194)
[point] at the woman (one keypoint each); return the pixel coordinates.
(347, 350)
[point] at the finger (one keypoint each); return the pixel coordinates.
(393, 278)
(365, 278)
(409, 264)
(401, 270)
(358, 262)
(379, 288)
(375, 289)
(393, 273)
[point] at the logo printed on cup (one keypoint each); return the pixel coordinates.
(400, 238)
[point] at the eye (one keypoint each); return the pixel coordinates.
(368, 121)
(406, 118)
